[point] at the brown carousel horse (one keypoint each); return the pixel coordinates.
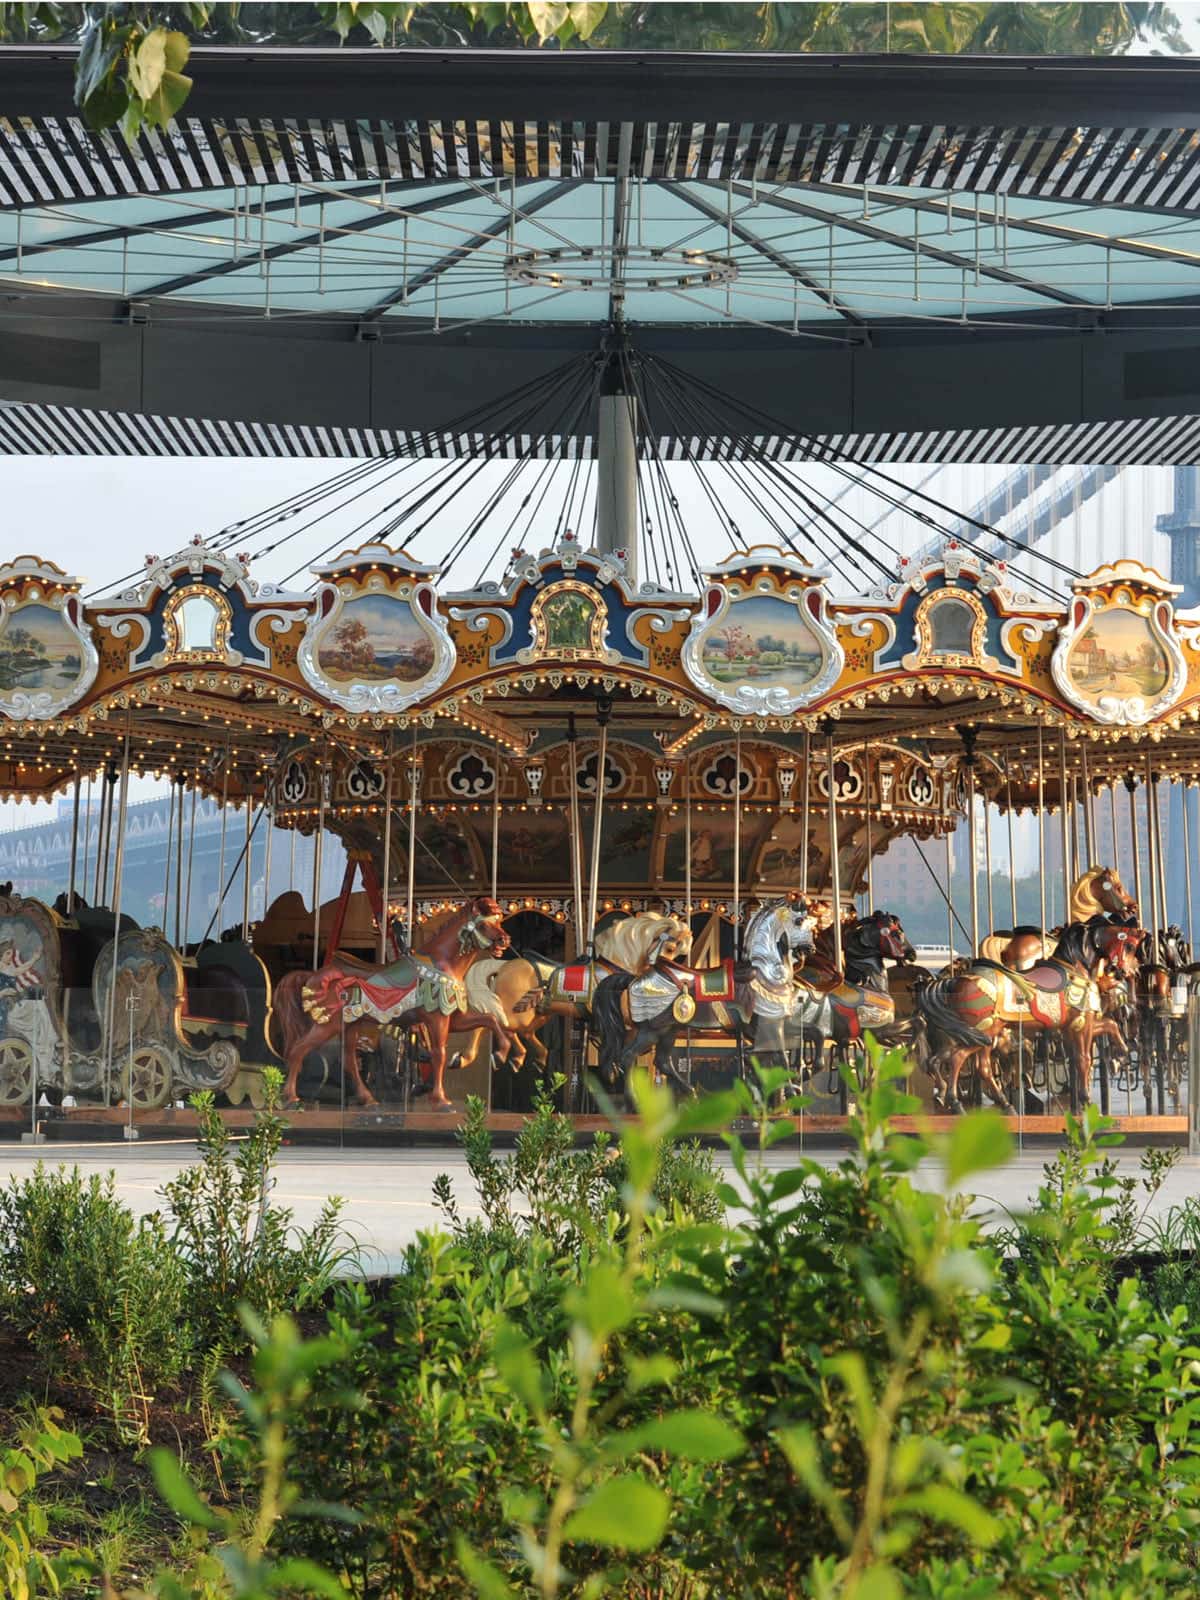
(424, 990)
(972, 1013)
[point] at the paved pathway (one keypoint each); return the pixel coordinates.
(388, 1194)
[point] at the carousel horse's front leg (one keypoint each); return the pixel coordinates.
(312, 1039)
(437, 1032)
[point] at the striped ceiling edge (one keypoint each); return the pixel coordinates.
(46, 159)
(30, 429)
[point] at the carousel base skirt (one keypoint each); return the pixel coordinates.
(382, 1124)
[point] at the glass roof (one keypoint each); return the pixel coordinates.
(817, 259)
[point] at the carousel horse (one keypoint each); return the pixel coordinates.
(835, 1010)
(1160, 1025)
(524, 992)
(970, 1013)
(425, 991)
(1098, 892)
(632, 1012)
(867, 943)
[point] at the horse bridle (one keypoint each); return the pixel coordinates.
(470, 933)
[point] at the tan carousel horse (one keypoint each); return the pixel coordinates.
(523, 993)
(1034, 984)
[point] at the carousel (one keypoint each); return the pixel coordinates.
(608, 807)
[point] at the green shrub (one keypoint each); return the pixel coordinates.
(549, 1189)
(101, 1296)
(236, 1246)
(925, 1412)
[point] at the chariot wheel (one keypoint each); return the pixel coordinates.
(146, 1077)
(16, 1071)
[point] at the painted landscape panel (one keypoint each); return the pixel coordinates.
(1118, 654)
(762, 640)
(375, 638)
(38, 650)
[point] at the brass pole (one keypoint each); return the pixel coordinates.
(1135, 844)
(1187, 861)
(1012, 857)
(74, 848)
(835, 867)
(270, 845)
(737, 843)
(972, 879)
(169, 851)
(385, 889)
(987, 861)
(1041, 807)
(1112, 819)
(248, 851)
(950, 891)
(1064, 796)
(221, 851)
(805, 813)
(687, 838)
(118, 881)
(603, 712)
(576, 835)
(179, 864)
(187, 901)
(1151, 858)
(318, 852)
(496, 828)
(1089, 821)
(414, 795)
(870, 867)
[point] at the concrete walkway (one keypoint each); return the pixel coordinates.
(388, 1194)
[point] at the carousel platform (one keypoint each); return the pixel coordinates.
(379, 1126)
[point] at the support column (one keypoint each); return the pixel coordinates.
(616, 468)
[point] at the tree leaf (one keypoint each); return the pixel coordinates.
(879, 1583)
(178, 1490)
(980, 1140)
(298, 1575)
(547, 18)
(517, 1365)
(949, 1505)
(692, 1435)
(624, 1513)
(148, 63)
(488, 1582)
(587, 15)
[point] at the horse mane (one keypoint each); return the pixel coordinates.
(1086, 902)
(481, 997)
(627, 943)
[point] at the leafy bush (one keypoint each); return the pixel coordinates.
(924, 1412)
(550, 1190)
(236, 1246)
(101, 1296)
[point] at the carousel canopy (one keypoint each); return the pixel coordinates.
(343, 251)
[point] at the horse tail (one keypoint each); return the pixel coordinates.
(936, 1004)
(607, 1021)
(288, 1017)
(909, 1033)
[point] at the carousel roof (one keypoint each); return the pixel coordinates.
(341, 251)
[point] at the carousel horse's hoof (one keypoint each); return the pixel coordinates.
(419, 1088)
(441, 1104)
(366, 1100)
(455, 1062)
